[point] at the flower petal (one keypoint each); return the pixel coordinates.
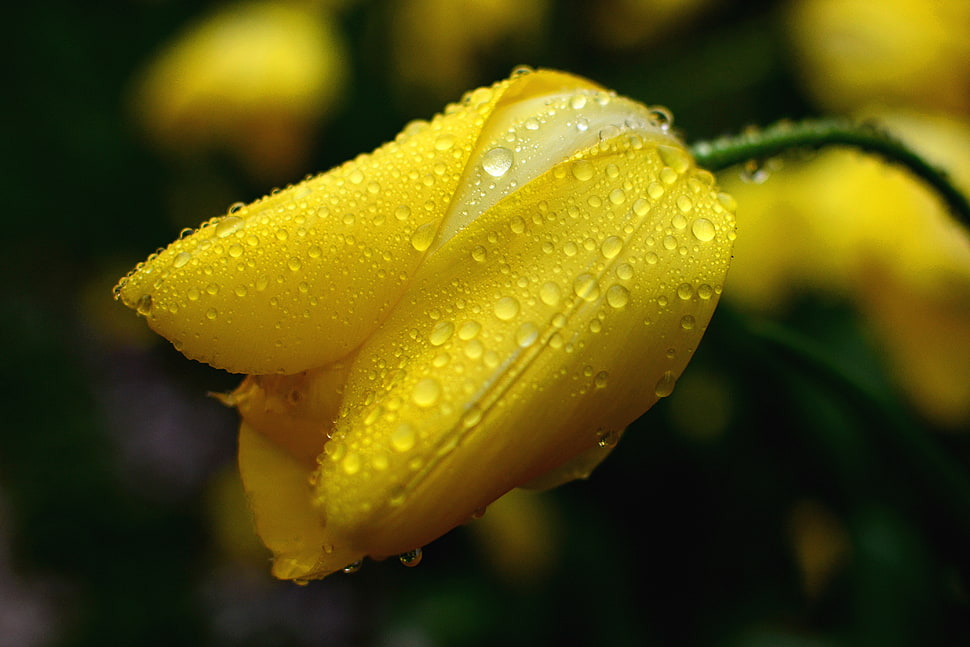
(301, 277)
(554, 320)
(279, 493)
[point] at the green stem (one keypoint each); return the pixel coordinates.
(813, 134)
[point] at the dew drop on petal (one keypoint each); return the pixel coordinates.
(411, 558)
(583, 170)
(228, 226)
(426, 392)
(611, 246)
(550, 293)
(703, 230)
(423, 236)
(526, 335)
(181, 259)
(665, 385)
(586, 287)
(506, 308)
(144, 305)
(441, 333)
(601, 379)
(353, 567)
(444, 141)
(469, 329)
(497, 161)
(403, 437)
(617, 296)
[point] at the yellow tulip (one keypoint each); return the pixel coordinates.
(254, 78)
(483, 303)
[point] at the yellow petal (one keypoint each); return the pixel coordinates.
(300, 278)
(557, 317)
(279, 492)
(294, 411)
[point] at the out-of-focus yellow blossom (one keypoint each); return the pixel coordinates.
(625, 23)
(483, 303)
(819, 542)
(439, 45)
(519, 537)
(854, 227)
(895, 52)
(254, 78)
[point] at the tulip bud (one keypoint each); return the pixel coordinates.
(484, 303)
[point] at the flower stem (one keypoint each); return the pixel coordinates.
(756, 145)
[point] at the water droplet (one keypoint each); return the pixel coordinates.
(402, 212)
(411, 558)
(550, 293)
(211, 314)
(441, 333)
(624, 271)
(472, 417)
(665, 385)
(662, 117)
(705, 291)
(703, 230)
(527, 334)
(228, 226)
(423, 236)
(403, 437)
(353, 567)
(578, 101)
(687, 322)
(586, 287)
(611, 246)
(601, 379)
(468, 330)
(474, 349)
(517, 225)
(617, 196)
(506, 308)
(235, 250)
(426, 392)
(144, 304)
(617, 296)
(641, 207)
(444, 141)
(608, 439)
(684, 203)
(351, 463)
(670, 243)
(583, 170)
(497, 161)
(674, 157)
(668, 175)
(181, 259)
(685, 291)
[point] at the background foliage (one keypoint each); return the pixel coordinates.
(788, 493)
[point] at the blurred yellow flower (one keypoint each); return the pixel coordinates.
(253, 77)
(895, 52)
(852, 226)
(439, 45)
(483, 303)
(520, 537)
